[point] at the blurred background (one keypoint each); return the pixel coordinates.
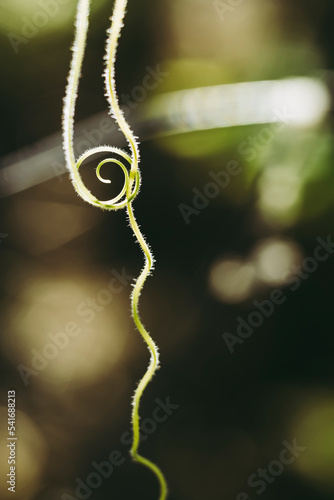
(232, 103)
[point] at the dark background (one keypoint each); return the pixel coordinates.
(235, 410)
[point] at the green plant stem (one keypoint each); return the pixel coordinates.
(154, 361)
(124, 198)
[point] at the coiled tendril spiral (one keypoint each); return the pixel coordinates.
(126, 195)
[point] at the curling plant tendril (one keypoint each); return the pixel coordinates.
(128, 192)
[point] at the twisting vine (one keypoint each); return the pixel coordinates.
(127, 194)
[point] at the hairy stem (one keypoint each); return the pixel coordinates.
(154, 361)
(126, 196)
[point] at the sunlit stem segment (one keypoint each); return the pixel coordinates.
(154, 361)
(127, 194)
(111, 94)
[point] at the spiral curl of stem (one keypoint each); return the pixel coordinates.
(127, 194)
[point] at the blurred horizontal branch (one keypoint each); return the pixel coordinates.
(296, 102)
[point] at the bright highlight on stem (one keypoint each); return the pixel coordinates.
(128, 192)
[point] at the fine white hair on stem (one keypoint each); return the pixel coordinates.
(79, 45)
(110, 85)
(129, 191)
